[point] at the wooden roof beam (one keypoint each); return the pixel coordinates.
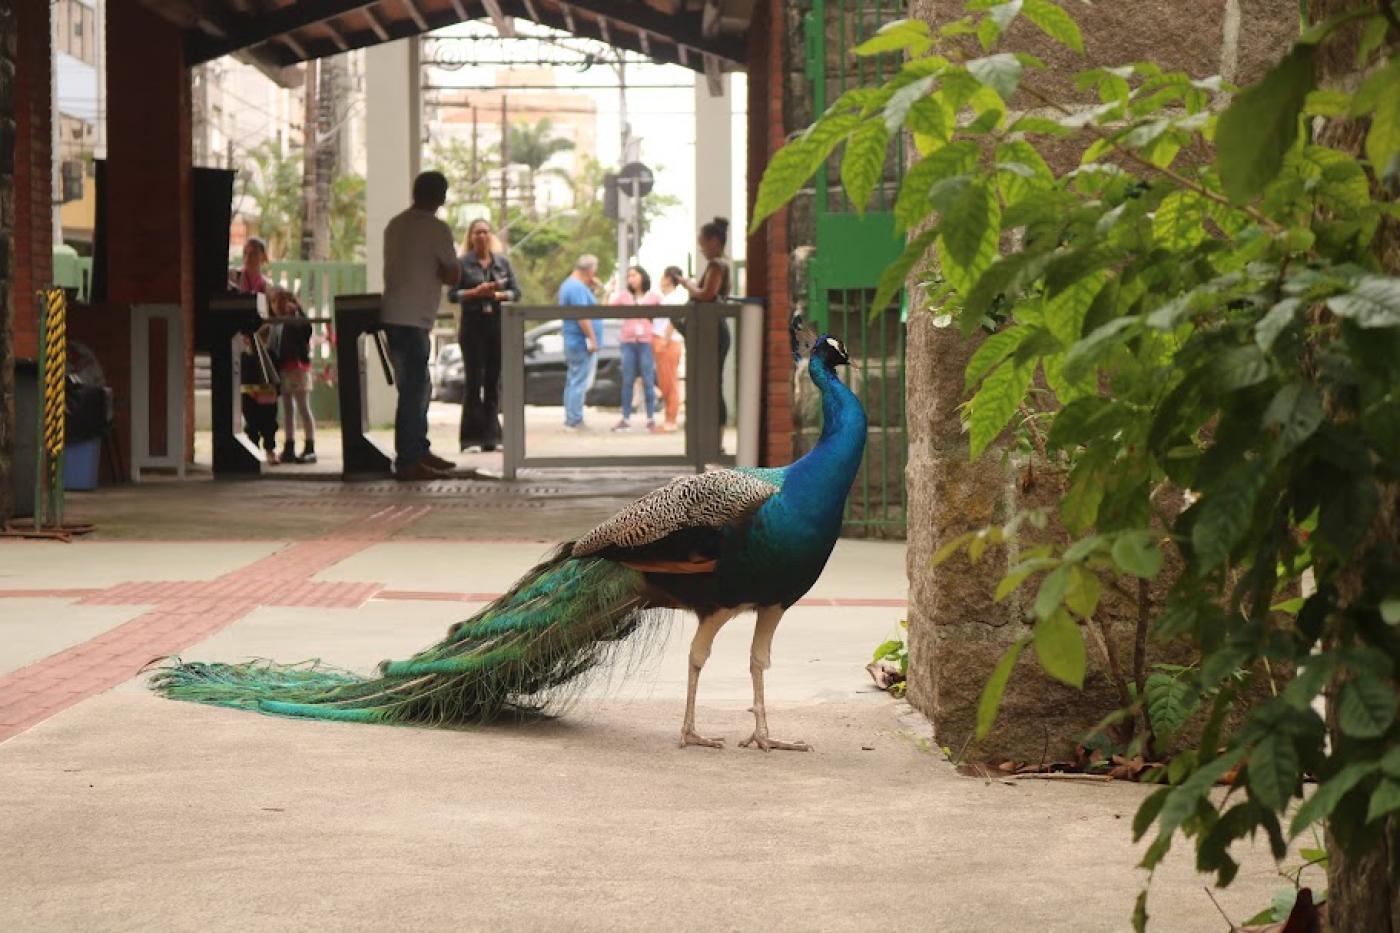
(248, 31)
(505, 26)
(685, 28)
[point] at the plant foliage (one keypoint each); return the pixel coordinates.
(1218, 325)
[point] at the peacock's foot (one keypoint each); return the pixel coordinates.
(761, 740)
(689, 737)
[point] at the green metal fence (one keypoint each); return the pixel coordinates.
(852, 249)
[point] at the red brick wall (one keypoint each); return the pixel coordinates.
(33, 207)
(767, 261)
(150, 258)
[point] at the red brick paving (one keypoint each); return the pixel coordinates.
(186, 612)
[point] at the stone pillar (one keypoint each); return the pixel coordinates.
(714, 172)
(8, 53)
(956, 632)
(149, 177)
(768, 263)
(393, 109)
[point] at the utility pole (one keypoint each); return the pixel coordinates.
(330, 71)
(476, 164)
(505, 174)
(308, 161)
(624, 202)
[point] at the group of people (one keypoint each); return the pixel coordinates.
(276, 363)
(419, 259)
(651, 347)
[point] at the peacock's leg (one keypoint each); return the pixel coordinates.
(760, 659)
(699, 654)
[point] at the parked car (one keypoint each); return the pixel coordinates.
(544, 368)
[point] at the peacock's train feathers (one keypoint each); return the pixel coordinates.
(526, 650)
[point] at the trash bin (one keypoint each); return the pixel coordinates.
(87, 415)
(80, 460)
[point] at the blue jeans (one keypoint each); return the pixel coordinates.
(583, 366)
(409, 348)
(638, 359)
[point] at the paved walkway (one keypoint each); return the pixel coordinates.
(123, 811)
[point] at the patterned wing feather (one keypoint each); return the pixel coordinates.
(705, 500)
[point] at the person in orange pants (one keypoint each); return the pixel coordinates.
(667, 345)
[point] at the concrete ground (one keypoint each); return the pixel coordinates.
(123, 811)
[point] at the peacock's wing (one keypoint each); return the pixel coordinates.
(679, 527)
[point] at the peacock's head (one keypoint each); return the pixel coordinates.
(831, 351)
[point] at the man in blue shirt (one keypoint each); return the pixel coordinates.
(581, 339)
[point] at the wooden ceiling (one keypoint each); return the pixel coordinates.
(703, 35)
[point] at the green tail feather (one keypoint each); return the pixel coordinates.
(524, 651)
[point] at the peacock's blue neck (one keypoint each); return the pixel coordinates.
(817, 484)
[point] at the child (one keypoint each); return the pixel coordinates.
(259, 391)
(290, 344)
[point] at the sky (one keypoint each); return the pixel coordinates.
(662, 116)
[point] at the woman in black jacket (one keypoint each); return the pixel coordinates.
(487, 280)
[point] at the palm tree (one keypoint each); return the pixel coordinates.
(273, 183)
(534, 144)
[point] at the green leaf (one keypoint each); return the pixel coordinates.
(1262, 124)
(1384, 799)
(992, 351)
(1273, 770)
(1374, 302)
(1079, 506)
(913, 205)
(1325, 102)
(863, 162)
(1065, 311)
(1039, 125)
(1003, 13)
(1240, 368)
(1001, 72)
(1140, 915)
(950, 547)
(1390, 610)
(887, 649)
(1177, 222)
(1330, 793)
(1383, 140)
(1170, 702)
(1082, 596)
(971, 232)
(928, 118)
(1051, 594)
(1366, 707)
(1147, 811)
(1280, 317)
(1060, 647)
(1295, 413)
(1023, 170)
(990, 701)
(1346, 512)
(912, 34)
(1226, 512)
(895, 274)
(897, 108)
(798, 161)
(1086, 352)
(996, 402)
(1137, 553)
(1055, 23)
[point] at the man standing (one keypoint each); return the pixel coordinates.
(581, 340)
(419, 260)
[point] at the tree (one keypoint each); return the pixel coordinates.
(347, 218)
(1227, 324)
(274, 186)
(533, 145)
(468, 184)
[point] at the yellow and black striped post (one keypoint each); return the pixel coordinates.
(53, 373)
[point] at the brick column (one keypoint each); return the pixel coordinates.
(149, 202)
(33, 192)
(768, 248)
(8, 51)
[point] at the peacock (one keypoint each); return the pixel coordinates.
(716, 543)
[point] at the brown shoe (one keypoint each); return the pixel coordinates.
(418, 472)
(438, 463)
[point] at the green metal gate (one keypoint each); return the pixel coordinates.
(851, 252)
